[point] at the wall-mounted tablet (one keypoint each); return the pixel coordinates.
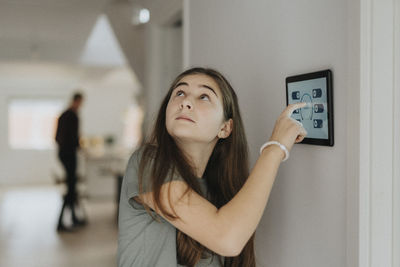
(317, 117)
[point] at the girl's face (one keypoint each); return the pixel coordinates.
(195, 112)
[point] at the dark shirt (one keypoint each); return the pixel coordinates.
(67, 131)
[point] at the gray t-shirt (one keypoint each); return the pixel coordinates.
(142, 241)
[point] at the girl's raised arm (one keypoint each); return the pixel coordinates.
(227, 230)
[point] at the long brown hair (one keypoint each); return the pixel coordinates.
(225, 173)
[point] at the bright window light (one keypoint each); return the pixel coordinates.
(32, 123)
(132, 132)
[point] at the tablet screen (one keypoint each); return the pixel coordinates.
(314, 89)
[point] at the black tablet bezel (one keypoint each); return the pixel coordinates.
(329, 88)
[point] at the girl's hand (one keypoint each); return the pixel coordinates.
(287, 130)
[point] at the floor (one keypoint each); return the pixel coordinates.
(28, 236)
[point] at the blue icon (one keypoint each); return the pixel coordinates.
(317, 123)
(318, 108)
(316, 93)
(296, 95)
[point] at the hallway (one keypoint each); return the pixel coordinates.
(28, 217)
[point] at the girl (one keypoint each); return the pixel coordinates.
(187, 197)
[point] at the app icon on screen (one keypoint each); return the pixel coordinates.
(317, 123)
(296, 95)
(317, 93)
(318, 108)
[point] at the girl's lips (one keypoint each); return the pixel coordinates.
(184, 118)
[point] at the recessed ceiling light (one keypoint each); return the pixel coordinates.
(144, 15)
(140, 16)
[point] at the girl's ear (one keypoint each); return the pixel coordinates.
(226, 129)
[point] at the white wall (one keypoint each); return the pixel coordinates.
(153, 50)
(108, 93)
(256, 44)
(379, 154)
(130, 38)
(163, 64)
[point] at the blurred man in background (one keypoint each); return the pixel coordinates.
(67, 138)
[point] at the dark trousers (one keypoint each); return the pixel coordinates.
(69, 161)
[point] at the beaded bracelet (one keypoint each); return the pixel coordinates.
(276, 143)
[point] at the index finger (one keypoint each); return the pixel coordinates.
(289, 110)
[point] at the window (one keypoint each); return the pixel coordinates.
(133, 119)
(32, 123)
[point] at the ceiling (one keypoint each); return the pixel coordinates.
(57, 30)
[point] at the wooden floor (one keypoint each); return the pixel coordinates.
(28, 236)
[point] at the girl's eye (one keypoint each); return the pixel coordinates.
(205, 97)
(179, 93)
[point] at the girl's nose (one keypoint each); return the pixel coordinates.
(186, 103)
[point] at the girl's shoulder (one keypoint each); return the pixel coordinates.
(147, 150)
